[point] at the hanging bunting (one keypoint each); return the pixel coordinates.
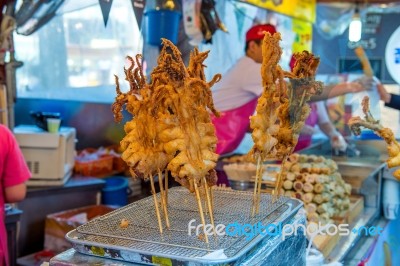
(138, 8)
(105, 6)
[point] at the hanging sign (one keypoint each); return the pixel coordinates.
(138, 9)
(105, 6)
(301, 9)
(392, 55)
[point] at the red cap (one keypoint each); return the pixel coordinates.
(257, 32)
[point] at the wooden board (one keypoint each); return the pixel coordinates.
(326, 243)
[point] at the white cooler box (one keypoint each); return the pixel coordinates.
(49, 156)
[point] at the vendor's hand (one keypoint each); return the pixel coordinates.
(365, 82)
(385, 96)
(338, 142)
(307, 130)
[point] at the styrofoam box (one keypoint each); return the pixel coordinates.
(48, 155)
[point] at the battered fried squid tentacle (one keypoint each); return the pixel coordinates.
(393, 146)
(281, 109)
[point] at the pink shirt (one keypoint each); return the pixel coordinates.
(13, 171)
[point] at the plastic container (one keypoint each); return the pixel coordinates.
(161, 23)
(91, 162)
(391, 198)
(314, 258)
(374, 106)
(57, 225)
(115, 192)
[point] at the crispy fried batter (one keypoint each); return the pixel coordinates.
(282, 109)
(393, 146)
(171, 127)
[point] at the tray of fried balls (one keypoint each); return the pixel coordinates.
(316, 181)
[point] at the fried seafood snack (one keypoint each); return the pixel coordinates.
(170, 127)
(393, 146)
(282, 108)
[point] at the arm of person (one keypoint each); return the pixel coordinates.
(327, 127)
(390, 100)
(331, 91)
(15, 193)
(15, 171)
(393, 101)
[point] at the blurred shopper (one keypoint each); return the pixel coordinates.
(390, 99)
(319, 116)
(13, 174)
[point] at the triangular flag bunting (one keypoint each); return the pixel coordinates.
(138, 8)
(105, 6)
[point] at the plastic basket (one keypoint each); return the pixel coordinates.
(162, 24)
(100, 167)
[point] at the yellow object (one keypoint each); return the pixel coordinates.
(303, 39)
(161, 261)
(302, 9)
(53, 125)
(388, 255)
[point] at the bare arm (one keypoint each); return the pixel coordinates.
(331, 91)
(328, 129)
(15, 193)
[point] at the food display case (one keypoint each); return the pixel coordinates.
(362, 166)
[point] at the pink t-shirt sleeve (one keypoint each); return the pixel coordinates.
(15, 171)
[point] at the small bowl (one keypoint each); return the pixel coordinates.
(40, 118)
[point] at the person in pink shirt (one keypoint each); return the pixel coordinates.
(13, 174)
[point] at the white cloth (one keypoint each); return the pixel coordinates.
(322, 112)
(241, 84)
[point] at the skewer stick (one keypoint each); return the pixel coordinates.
(212, 196)
(253, 207)
(259, 176)
(302, 99)
(166, 186)
(279, 181)
(196, 189)
(210, 209)
(203, 197)
(163, 203)
(153, 191)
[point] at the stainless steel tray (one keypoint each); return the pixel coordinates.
(142, 236)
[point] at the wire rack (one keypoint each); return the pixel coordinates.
(143, 234)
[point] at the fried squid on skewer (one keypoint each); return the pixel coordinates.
(171, 127)
(281, 109)
(393, 146)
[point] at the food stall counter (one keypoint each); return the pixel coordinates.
(42, 201)
(362, 166)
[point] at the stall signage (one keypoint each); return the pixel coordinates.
(303, 35)
(392, 55)
(368, 44)
(301, 9)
